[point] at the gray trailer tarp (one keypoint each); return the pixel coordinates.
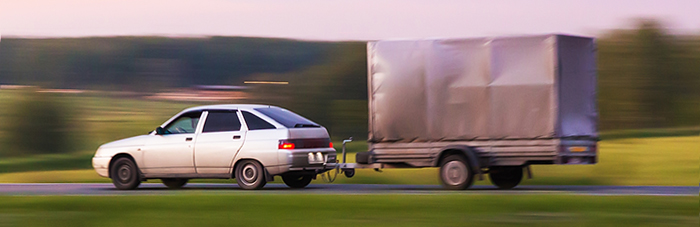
(483, 88)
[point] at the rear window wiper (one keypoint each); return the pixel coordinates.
(306, 126)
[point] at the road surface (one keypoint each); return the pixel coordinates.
(202, 188)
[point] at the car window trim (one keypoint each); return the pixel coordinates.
(258, 116)
(176, 117)
(200, 129)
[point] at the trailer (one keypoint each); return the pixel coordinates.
(480, 106)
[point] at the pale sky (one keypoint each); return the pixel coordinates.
(337, 19)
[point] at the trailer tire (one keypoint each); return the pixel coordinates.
(456, 173)
(506, 177)
(349, 173)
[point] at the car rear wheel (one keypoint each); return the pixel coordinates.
(250, 175)
(456, 173)
(297, 180)
(174, 183)
(125, 174)
(506, 177)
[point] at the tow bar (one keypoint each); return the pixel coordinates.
(329, 177)
(349, 168)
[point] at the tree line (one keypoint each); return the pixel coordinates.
(647, 77)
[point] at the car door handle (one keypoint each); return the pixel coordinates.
(236, 137)
(188, 139)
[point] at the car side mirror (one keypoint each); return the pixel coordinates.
(160, 131)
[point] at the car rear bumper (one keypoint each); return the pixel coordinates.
(101, 165)
(318, 169)
(310, 160)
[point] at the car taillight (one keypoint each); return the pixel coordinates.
(305, 143)
(286, 145)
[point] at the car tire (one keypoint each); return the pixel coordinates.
(250, 175)
(125, 174)
(174, 183)
(297, 180)
(456, 173)
(506, 177)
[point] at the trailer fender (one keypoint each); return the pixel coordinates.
(468, 152)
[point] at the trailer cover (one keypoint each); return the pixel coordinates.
(482, 88)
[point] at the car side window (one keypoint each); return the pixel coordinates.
(186, 123)
(255, 122)
(222, 121)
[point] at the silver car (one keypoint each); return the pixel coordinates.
(251, 143)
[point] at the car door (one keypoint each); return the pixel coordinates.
(172, 153)
(221, 138)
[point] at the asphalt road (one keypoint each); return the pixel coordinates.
(159, 189)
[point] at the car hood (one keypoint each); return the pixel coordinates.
(131, 141)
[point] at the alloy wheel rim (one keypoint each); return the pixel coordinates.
(455, 173)
(124, 173)
(250, 174)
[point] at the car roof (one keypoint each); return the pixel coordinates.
(229, 107)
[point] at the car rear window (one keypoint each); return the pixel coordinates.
(255, 123)
(287, 118)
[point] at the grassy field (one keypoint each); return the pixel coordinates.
(348, 210)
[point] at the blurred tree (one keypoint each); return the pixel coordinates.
(659, 73)
(648, 78)
(150, 63)
(38, 124)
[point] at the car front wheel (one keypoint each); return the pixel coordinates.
(125, 174)
(250, 175)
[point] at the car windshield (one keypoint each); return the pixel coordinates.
(287, 118)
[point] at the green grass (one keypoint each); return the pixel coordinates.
(47, 163)
(646, 133)
(348, 210)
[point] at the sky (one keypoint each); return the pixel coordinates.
(338, 19)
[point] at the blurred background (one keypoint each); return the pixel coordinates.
(63, 92)
(75, 74)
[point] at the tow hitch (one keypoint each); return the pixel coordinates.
(331, 175)
(348, 169)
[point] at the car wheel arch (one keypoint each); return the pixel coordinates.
(239, 161)
(118, 156)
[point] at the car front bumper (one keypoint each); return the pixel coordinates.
(101, 165)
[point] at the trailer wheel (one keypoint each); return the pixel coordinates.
(456, 173)
(506, 177)
(349, 173)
